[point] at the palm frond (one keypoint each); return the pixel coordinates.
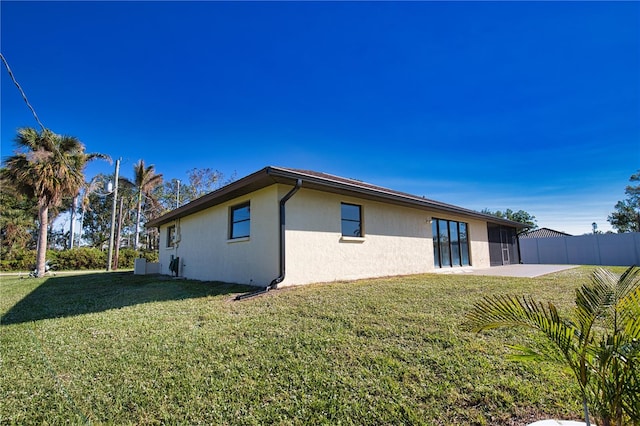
(631, 399)
(508, 311)
(629, 313)
(524, 353)
(629, 281)
(601, 345)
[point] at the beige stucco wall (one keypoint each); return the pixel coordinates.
(397, 240)
(206, 253)
(478, 242)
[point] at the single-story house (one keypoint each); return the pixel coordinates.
(281, 226)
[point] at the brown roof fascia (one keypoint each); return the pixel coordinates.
(246, 185)
(321, 182)
(336, 184)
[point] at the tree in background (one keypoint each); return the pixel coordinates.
(91, 207)
(96, 208)
(152, 209)
(201, 182)
(145, 180)
(17, 223)
(84, 205)
(89, 202)
(125, 207)
(167, 195)
(46, 167)
(519, 216)
(626, 217)
(204, 181)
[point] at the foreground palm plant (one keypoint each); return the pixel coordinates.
(600, 342)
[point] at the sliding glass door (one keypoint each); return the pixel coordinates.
(450, 243)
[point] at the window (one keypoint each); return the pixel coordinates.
(240, 223)
(464, 244)
(351, 220)
(450, 243)
(171, 235)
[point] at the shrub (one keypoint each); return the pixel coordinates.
(75, 259)
(19, 260)
(126, 257)
(78, 258)
(150, 255)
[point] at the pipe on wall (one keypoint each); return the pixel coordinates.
(283, 201)
(281, 240)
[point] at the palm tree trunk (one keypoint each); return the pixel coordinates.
(41, 257)
(137, 241)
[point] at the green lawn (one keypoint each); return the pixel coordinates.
(114, 348)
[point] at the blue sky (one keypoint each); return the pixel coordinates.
(497, 105)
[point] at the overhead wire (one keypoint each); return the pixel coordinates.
(33, 111)
(24, 96)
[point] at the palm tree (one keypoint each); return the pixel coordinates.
(145, 181)
(46, 167)
(85, 203)
(600, 342)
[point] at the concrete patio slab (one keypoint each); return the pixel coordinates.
(525, 271)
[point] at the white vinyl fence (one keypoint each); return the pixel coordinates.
(598, 249)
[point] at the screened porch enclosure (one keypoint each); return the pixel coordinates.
(503, 245)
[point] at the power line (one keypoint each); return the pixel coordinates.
(24, 96)
(33, 111)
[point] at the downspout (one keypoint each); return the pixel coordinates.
(274, 284)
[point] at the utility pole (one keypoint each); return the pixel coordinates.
(113, 217)
(116, 249)
(72, 227)
(178, 195)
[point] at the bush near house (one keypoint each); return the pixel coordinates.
(127, 257)
(78, 258)
(18, 260)
(82, 258)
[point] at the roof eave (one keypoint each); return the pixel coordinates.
(271, 175)
(247, 184)
(314, 182)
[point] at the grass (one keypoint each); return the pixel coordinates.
(114, 348)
